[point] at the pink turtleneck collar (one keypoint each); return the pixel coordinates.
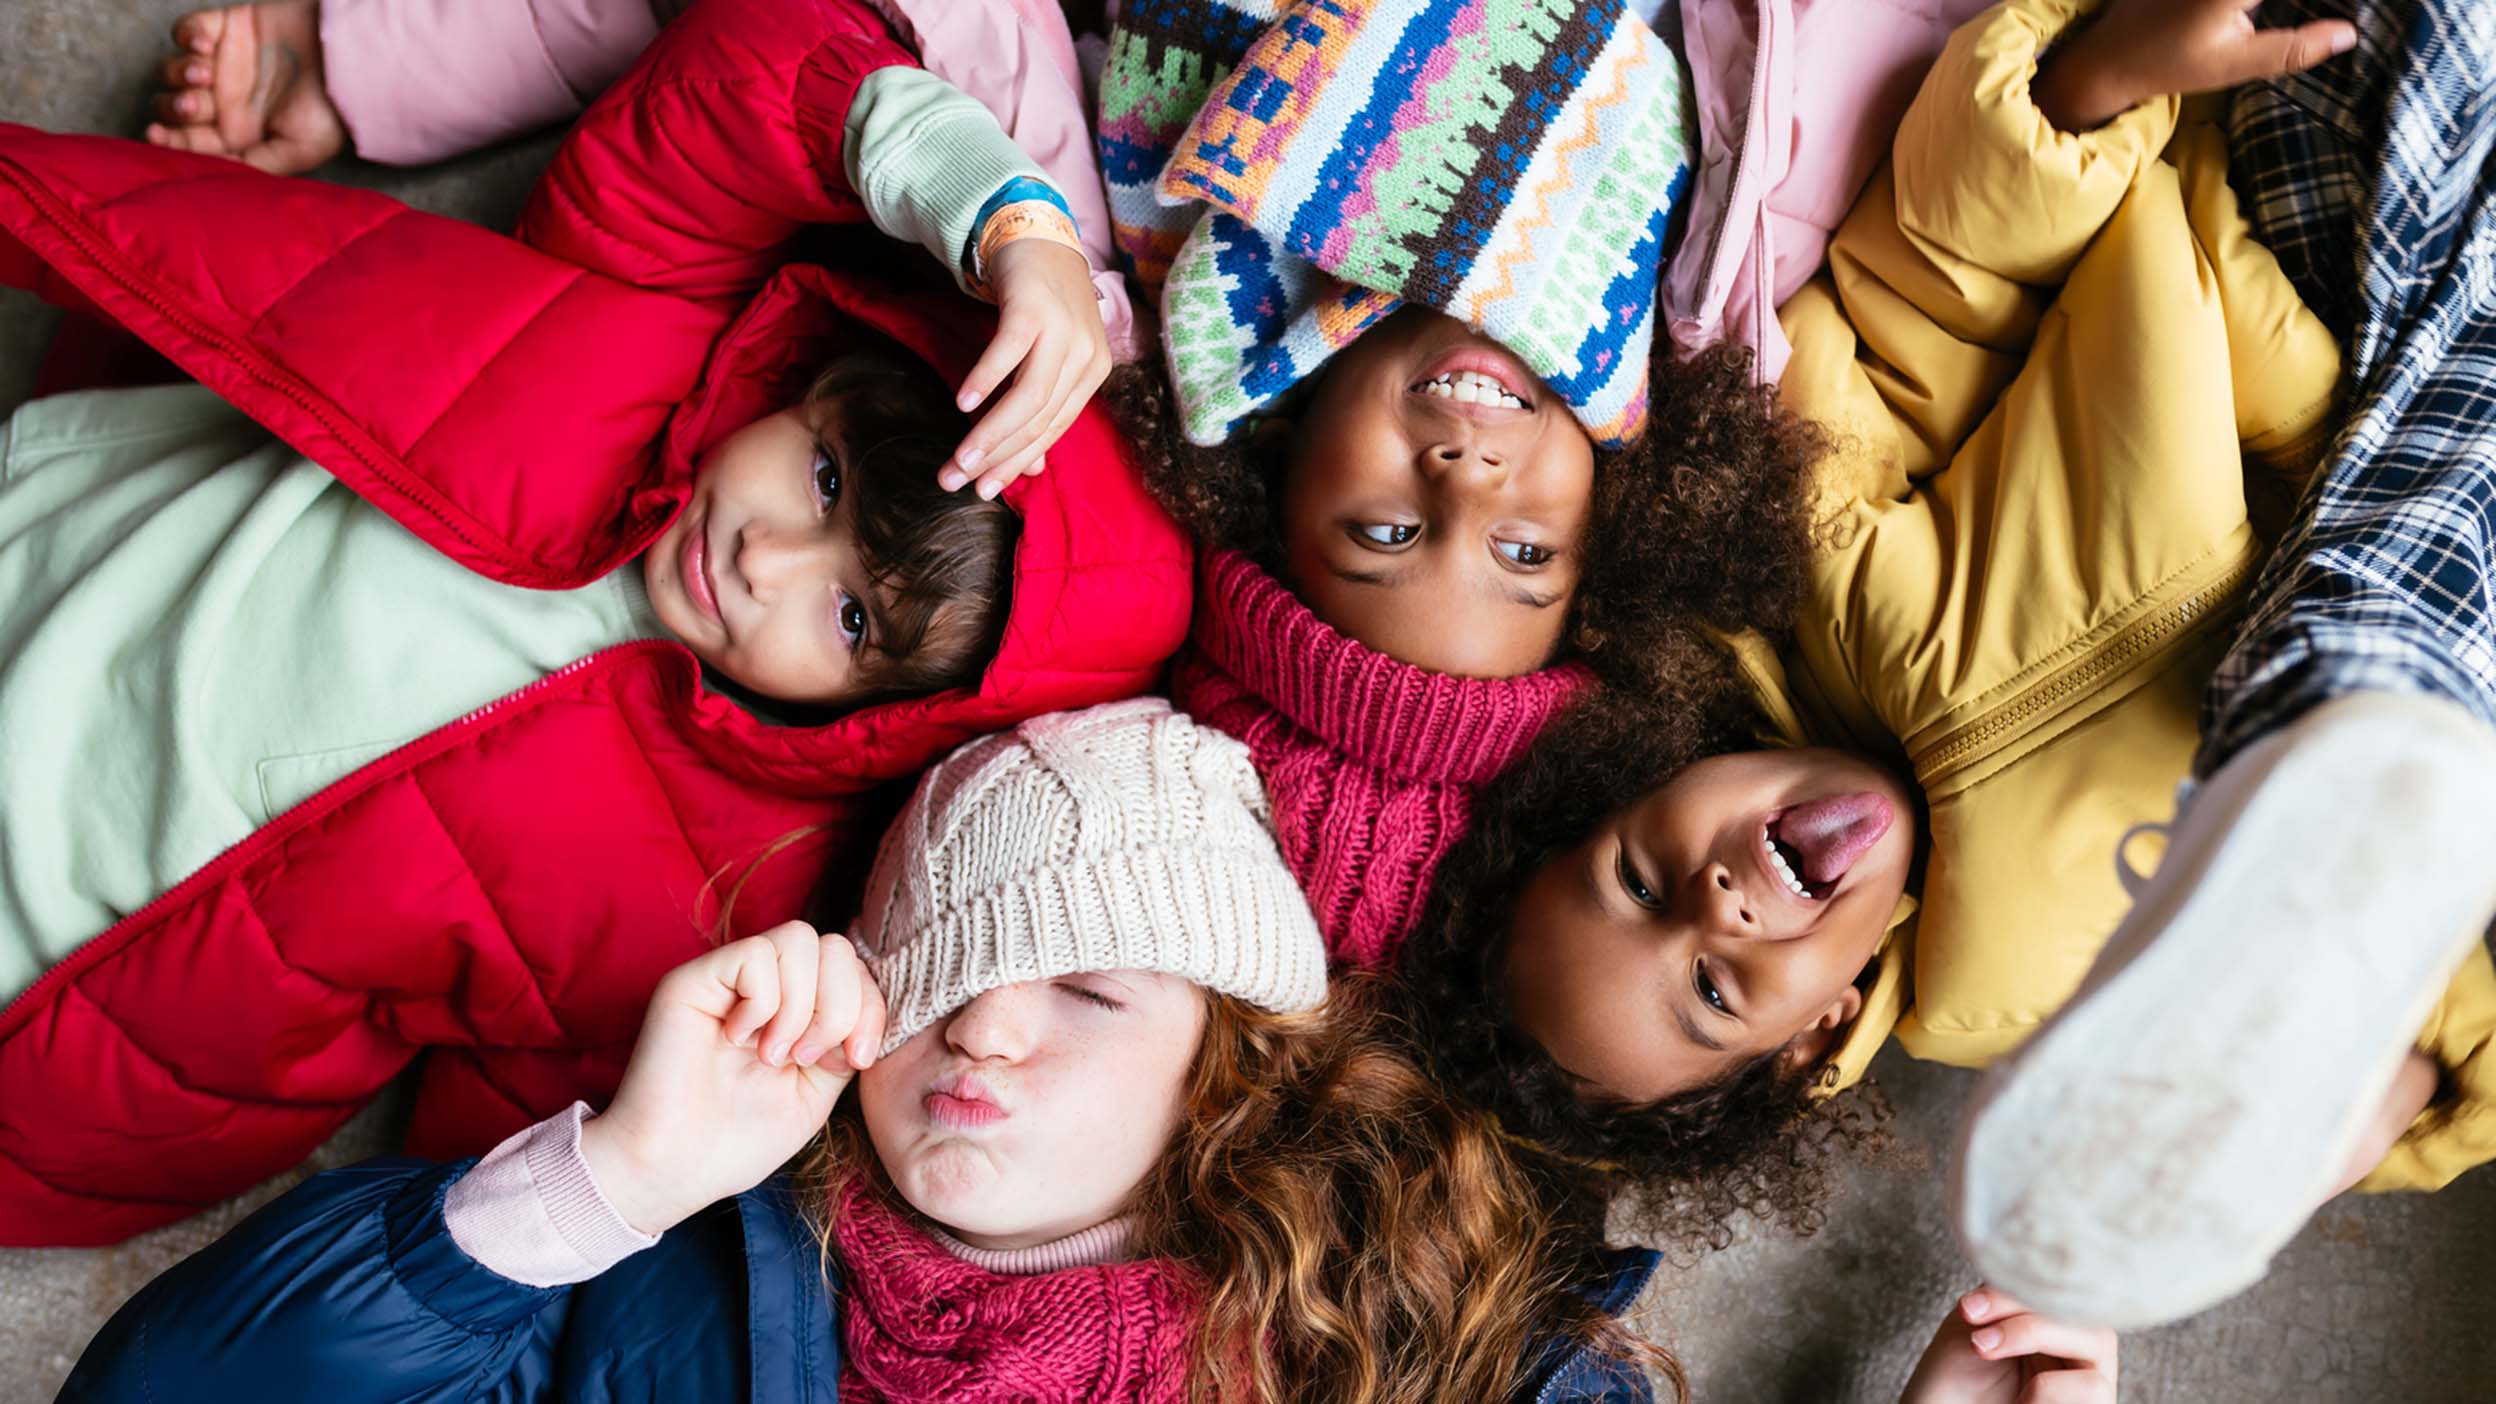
(1390, 716)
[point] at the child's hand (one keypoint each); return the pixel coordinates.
(247, 84)
(1992, 1350)
(1050, 327)
(742, 1055)
(2140, 49)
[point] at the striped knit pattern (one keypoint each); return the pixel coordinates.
(1371, 764)
(918, 1323)
(1290, 174)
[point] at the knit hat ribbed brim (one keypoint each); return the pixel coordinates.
(1122, 837)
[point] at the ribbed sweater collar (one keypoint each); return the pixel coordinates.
(1092, 1247)
(1405, 721)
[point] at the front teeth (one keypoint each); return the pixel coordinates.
(1776, 860)
(1470, 388)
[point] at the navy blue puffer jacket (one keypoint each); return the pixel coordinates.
(350, 1290)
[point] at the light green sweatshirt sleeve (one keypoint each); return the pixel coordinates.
(925, 156)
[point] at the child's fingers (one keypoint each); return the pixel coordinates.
(2011, 1337)
(2272, 53)
(1006, 350)
(798, 954)
(1065, 397)
(838, 979)
(754, 983)
(866, 1041)
(1005, 428)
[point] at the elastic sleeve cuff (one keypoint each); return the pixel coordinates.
(925, 158)
(531, 1212)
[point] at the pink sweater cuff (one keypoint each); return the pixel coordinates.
(531, 1212)
(420, 80)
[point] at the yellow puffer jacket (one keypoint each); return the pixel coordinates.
(2053, 364)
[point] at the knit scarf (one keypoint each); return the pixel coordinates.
(1371, 764)
(1288, 172)
(918, 1323)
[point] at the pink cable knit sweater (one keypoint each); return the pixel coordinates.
(1371, 763)
(923, 1324)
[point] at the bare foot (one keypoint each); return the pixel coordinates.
(247, 84)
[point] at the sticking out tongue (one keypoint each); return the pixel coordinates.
(1828, 835)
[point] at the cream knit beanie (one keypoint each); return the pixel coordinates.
(1122, 837)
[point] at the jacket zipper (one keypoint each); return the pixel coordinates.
(398, 762)
(102, 260)
(1935, 761)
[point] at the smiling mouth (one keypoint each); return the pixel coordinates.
(1471, 387)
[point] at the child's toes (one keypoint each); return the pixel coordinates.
(198, 31)
(187, 71)
(190, 107)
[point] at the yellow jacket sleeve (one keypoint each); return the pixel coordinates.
(1940, 274)
(2457, 1131)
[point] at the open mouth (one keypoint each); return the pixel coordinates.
(1811, 847)
(1471, 387)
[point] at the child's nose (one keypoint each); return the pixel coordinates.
(1723, 905)
(772, 562)
(1465, 467)
(998, 1024)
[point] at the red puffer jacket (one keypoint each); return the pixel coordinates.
(503, 893)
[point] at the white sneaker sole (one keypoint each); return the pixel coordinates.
(2150, 1148)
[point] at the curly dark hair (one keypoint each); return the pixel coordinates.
(1702, 525)
(1753, 1142)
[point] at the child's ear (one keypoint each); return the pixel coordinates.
(1817, 1041)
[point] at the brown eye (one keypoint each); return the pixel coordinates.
(1707, 991)
(1387, 533)
(827, 481)
(1526, 553)
(1634, 885)
(853, 620)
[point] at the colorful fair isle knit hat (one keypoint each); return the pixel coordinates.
(1121, 837)
(1511, 163)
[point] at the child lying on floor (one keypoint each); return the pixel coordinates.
(205, 628)
(494, 866)
(2053, 357)
(1448, 487)
(157, 538)
(1143, 1165)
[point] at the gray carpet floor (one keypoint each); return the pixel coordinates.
(2385, 1298)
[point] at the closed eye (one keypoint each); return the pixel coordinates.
(1091, 996)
